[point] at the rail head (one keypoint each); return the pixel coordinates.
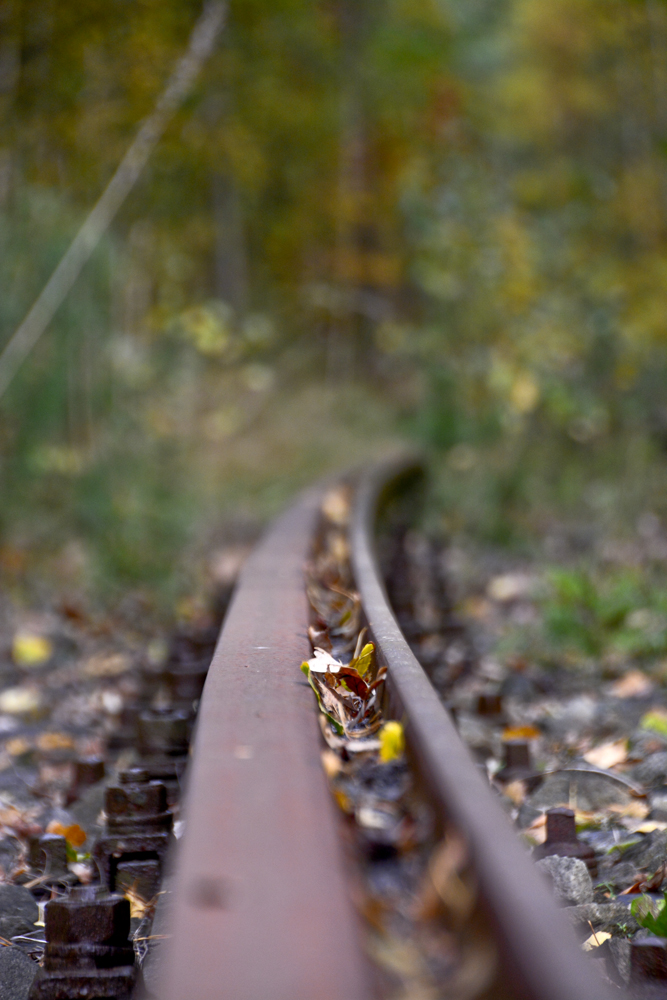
(538, 950)
(261, 885)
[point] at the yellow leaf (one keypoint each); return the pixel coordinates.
(595, 940)
(392, 741)
(521, 733)
(363, 663)
(30, 650)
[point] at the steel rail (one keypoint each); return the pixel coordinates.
(260, 908)
(540, 957)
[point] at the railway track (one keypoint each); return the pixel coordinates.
(275, 888)
(261, 905)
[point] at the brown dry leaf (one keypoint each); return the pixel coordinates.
(107, 665)
(354, 682)
(55, 741)
(608, 754)
(633, 684)
(521, 733)
(319, 637)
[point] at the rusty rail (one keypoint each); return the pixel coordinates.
(539, 955)
(260, 892)
(261, 909)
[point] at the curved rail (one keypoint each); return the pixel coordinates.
(539, 955)
(260, 908)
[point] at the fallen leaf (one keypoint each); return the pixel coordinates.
(322, 662)
(319, 637)
(18, 746)
(55, 741)
(107, 665)
(509, 587)
(650, 826)
(331, 763)
(362, 663)
(595, 940)
(633, 684)
(608, 754)
(655, 720)
(392, 741)
(138, 905)
(537, 830)
(336, 505)
(636, 809)
(31, 650)
(73, 834)
(20, 700)
(476, 607)
(353, 681)
(515, 792)
(521, 733)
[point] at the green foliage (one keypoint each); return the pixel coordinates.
(454, 211)
(650, 915)
(618, 611)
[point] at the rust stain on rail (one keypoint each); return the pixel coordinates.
(260, 895)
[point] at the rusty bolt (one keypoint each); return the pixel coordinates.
(648, 958)
(163, 732)
(489, 704)
(562, 840)
(88, 952)
(131, 851)
(88, 771)
(48, 853)
(88, 915)
(137, 803)
(517, 754)
(186, 684)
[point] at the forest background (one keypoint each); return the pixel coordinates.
(373, 220)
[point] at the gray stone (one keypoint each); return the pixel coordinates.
(653, 770)
(571, 881)
(619, 949)
(658, 803)
(622, 875)
(603, 916)
(18, 910)
(650, 853)
(17, 972)
(10, 852)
